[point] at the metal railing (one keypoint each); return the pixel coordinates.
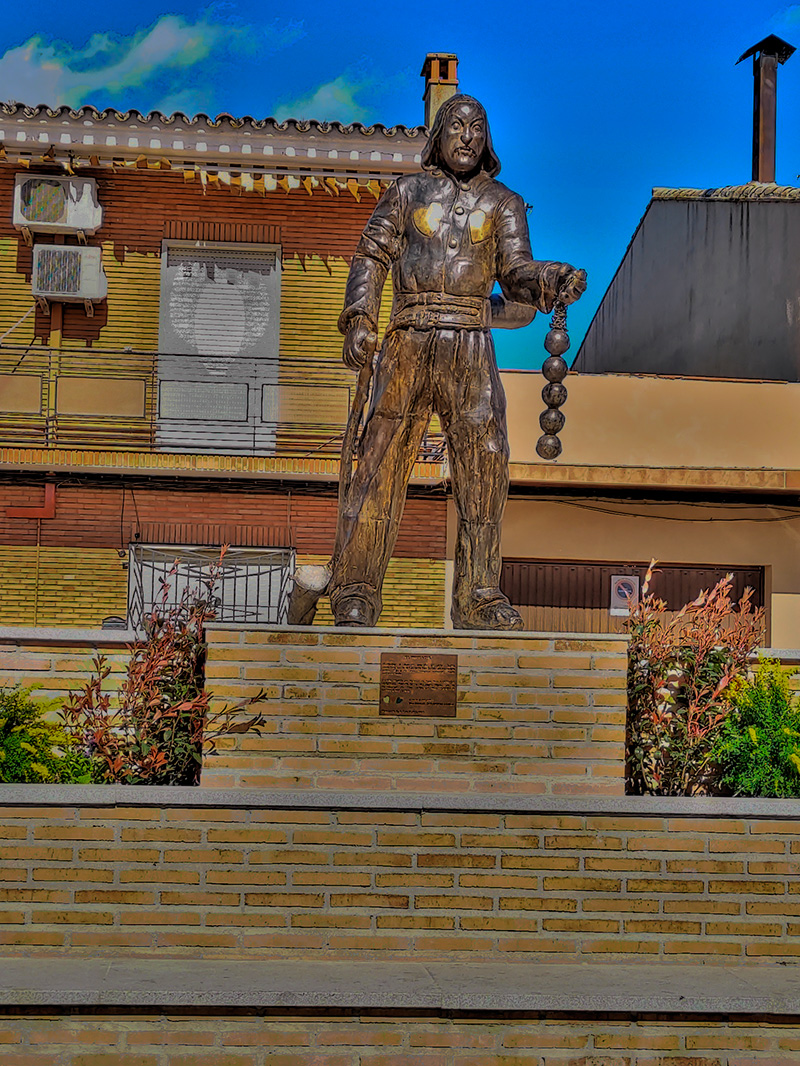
(113, 399)
(248, 586)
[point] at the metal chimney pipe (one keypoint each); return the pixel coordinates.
(767, 54)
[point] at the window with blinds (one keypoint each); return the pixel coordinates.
(218, 342)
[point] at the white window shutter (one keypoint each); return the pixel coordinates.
(218, 339)
(220, 302)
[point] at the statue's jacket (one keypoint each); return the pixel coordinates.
(446, 242)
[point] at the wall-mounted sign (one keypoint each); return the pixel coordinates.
(624, 593)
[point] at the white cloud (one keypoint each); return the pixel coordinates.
(788, 16)
(335, 101)
(159, 56)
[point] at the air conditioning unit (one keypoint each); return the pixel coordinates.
(68, 273)
(45, 203)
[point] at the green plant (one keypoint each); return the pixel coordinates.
(155, 731)
(33, 749)
(679, 668)
(758, 746)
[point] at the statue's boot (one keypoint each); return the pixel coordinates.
(486, 609)
(355, 605)
(310, 583)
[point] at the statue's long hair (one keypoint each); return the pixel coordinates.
(432, 155)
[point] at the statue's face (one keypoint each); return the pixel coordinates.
(463, 139)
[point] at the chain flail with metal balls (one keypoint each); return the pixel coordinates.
(554, 393)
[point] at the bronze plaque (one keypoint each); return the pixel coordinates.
(422, 685)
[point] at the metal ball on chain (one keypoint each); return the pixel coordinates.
(551, 421)
(555, 368)
(554, 394)
(548, 447)
(557, 341)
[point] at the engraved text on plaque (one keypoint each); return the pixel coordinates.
(424, 685)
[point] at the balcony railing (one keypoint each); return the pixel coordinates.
(123, 400)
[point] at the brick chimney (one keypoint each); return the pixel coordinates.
(440, 71)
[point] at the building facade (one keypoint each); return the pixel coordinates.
(171, 381)
(170, 366)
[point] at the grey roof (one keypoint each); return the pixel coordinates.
(708, 287)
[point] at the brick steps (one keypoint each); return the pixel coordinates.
(537, 713)
(203, 927)
(484, 905)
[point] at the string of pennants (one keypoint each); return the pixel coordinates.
(213, 178)
(264, 183)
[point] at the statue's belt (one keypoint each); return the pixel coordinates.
(439, 310)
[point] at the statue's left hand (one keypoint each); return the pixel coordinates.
(571, 284)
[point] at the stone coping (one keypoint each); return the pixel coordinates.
(387, 631)
(65, 635)
(575, 988)
(322, 799)
(76, 635)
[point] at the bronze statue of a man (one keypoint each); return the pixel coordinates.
(447, 234)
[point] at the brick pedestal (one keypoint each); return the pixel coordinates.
(536, 713)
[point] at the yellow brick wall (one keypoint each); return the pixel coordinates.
(394, 1039)
(54, 669)
(133, 299)
(526, 885)
(534, 714)
(17, 298)
(76, 586)
(413, 594)
(312, 296)
(80, 587)
(311, 301)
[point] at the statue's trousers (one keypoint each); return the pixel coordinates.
(454, 373)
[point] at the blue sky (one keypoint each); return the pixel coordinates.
(591, 104)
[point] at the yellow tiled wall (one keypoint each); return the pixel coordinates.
(413, 594)
(17, 297)
(76, 586)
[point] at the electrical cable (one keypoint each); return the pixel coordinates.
(789, 517)
(19, 323)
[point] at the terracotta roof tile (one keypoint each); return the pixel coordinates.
(14, 108)
(753, 190)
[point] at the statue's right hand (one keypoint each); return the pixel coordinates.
(360, 343)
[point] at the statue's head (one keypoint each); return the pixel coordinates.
(460, 141)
